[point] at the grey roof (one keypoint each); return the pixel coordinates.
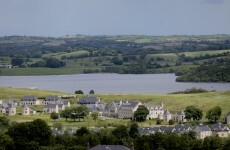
(219, 127)
(29, 97)
(12, 106)
(149, 130)
(52, 98)
(154, 107)
(88, 99)
(24, 106)
(65, 102)
(201, 128)
(53, 106)
(166, 129)
(109, 147)
(181, 112)
(91, 107)
(129, 104)
(167, 112)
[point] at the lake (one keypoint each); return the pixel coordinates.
(108, 83)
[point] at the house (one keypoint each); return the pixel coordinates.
(181, 128)
(111, 110)
(27, 110)
(167, 115)
(53, 99)
(178, 117)
(127, 109)
(109, 147)
(30, 100)
(202, 131)
(219, 129)
(10, 110)
(53, 108)
(88, 100)
(98, 107)
(149, 130)
(228, 118)
(8, 107)
(156, 111)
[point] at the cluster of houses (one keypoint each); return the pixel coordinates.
(51, 104)
(201, 130)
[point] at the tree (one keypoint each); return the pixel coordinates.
(91, 92)
(213, 114)
(141, 113)
(191, 112)
(159, 121)
(54, 116)
(66, 113)
(6, 142)
(79, 92)
(120, 132)
(83, 130)
(133, 130)
(171, 122)
(4, 123)
(17, 61)
(24, 133)
(94, 115)
(79, 112)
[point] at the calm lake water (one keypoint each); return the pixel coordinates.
(108, 83)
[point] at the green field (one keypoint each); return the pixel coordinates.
(199, 53)
(59, 55)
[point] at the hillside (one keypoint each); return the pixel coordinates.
(114, 54)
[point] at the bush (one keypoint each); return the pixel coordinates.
(171, 122)
(159, 121)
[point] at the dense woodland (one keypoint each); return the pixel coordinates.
(183, 55)
(38, 135)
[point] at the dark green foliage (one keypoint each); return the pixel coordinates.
(141, 113)
(79, 92)
(17, 61)
(191, 91)
(49, 63)
(213, 115)
(33, 133)
(193, 113)
(54, 116)
(159, 121)
(94, 115)
(66, 113)
(120, 132)
(171, 122)
(6, 142)
(91, 92)
(79, 112)
(133, 130)
(82, 131)
(4, 123)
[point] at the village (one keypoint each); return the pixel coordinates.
(121, 109)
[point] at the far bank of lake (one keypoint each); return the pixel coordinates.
(108, 83)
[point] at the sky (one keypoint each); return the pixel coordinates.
(114, 17)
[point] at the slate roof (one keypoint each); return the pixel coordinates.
(12, 106)
(88, 99)
(219, 127)
(52, 98)
(91, 107)
(109, 147)
(167, 129)
(201, 128)
(181, 112)
(129, 104)
(166, 112)
(149, 130)
(54, 106)
(29, 97)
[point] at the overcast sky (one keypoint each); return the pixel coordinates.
(114, 17)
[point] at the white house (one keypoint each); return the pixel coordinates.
(156, 111)
(219, 129)
(178, 117)
(52, 99)
(127, 109)
(202, 131)
(53, 108)
(30, 100)
(111, 110)
(27, 110)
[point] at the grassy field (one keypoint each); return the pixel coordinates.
(172, 102)
(59, 55)
(199, 53)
